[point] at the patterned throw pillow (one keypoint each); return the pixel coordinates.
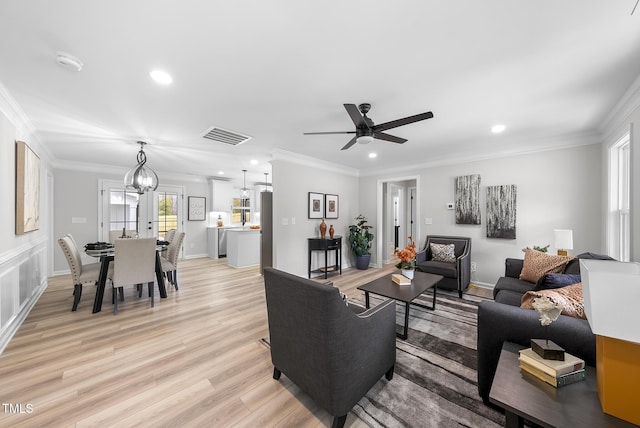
(569, 299)
(443, 253)
(537, 263)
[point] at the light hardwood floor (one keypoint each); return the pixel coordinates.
(196, 359)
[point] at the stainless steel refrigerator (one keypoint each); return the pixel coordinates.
(266, 230)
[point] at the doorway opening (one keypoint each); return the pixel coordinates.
(397, 217)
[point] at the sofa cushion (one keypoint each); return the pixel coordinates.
(536, 264)
(507, 283)
(439, 268)
(509, 297)
(569, 299)
(573, 267)
(443, 253)
(556, 280)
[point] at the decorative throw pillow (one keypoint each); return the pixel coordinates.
(556, 280)
(443, 253)
(569, 299)
(536, 264)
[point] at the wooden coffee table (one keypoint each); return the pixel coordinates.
(525, 397)
(404, 293)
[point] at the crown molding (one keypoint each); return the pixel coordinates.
(118, 170)
(618, 117)
(532, 147)
(25, 130)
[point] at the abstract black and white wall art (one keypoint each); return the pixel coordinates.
(468, 199)
(501, 211)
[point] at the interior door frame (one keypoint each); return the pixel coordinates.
(380, 209)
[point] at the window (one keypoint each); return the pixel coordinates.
(240, 211)
(619, 232)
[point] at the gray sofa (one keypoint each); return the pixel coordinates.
(334, 353)
(456, 275)
(504, 321)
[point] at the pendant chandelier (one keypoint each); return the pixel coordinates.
(244, 192)
(141, 178)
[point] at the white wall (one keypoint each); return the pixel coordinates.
(291, 184)
(555, 189)
(76, 195)
(23, 258)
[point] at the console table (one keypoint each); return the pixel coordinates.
(326, 245)
(523, 396)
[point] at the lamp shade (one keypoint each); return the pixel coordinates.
(611, 292)
(563, 239)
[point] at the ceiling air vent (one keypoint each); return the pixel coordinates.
(224, 136)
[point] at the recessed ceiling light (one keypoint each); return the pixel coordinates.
(373, 155)
(69, 61)
(220, 172)
(161, 77)
(496, 129)
(254, 162)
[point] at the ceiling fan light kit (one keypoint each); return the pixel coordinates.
(366, 131)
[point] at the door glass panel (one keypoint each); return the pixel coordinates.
(124, 211)
(166, 217)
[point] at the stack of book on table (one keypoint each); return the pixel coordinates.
(400, 279)
(554, 372)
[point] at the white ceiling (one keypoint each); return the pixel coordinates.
(550, 70)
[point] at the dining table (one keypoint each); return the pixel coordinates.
(106, 256)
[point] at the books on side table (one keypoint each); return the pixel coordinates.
(400, 279)
(554, 372)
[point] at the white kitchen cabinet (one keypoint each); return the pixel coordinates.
(221, 195)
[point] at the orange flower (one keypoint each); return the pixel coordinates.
(407, 255)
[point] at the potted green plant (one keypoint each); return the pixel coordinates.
(360, 239)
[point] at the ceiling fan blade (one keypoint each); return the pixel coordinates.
(355, 115)
(350, 143)
(403, 121)
(324, 133)
(387, 137)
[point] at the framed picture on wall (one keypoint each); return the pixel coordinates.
(27, 189)
(316, 205)
(330, 206)
(197, 208)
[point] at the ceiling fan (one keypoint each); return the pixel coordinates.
(366, 131)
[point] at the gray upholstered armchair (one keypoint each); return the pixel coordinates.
(456, 273)
(334, 353)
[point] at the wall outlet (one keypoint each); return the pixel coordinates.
(428, 220)
(285, 221)
(450, 206)
(473, 266)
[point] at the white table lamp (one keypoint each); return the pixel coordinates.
(611, 292)
(563, 241)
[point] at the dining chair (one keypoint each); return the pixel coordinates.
(134, 263)
(115, 234)
(81, 274)
(170, 264)
(169, 235)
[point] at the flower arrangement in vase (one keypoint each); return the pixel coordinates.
(407, 256)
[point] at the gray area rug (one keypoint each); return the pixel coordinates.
(435, 380)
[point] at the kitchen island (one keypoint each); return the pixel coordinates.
(243, 247)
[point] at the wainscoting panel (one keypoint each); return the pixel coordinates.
(22, 281)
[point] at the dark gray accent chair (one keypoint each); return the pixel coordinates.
(335, 353)
(456, 275)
